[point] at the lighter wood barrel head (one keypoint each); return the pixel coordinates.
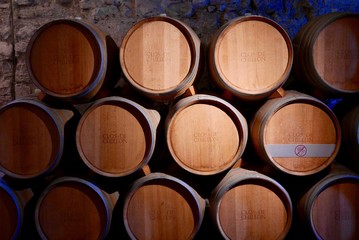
(203, 139)
(9, 215)
(32, 140)
(252, 56)
(64, 58)
(160, 212)
(300, 138)
(113, 140)
(72, 211)
(336, 54)
(156, 55)
(335, 212)
(252, 211)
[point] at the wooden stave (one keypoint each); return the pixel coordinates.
(149, 118)
(235, 115)
(175, 183)
(108, 201)
(239, 176)
(96, 84)
(192, 76)
(216, 75)
(303, 66)
(59, 118)
(261, 117)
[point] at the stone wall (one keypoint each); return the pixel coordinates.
(20, 18)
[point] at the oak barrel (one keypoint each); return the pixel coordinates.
(160, 57)
(159, 206)
(326, 52)
(12, 205)
(73, 208)
(251, 57)
(32, 138)
(116, 136)
(249, 205)
(330, 210)
(205, 134)
(68, 59)
(296, 134)
(350, 132)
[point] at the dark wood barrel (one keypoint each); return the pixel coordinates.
(116, 136)
(205, 134)
(296, 134)
(73, 208)
(326, 54)
(249, 205)
(159, 206)
(69, 59)
(12, 206)
(350, 130)
(251, 57)
(330, 210)
(32, 138)
(160, 57)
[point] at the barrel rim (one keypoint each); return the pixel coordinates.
(98, 79)
(222, 80)
(59, 129)
(18, 206)
(293, 97)
(194, 45)
(64, 180)
(238, 177)
(317, 189)
(304, 44)
(314, 36)
(149, 132)
(190, 194)
(238, 119)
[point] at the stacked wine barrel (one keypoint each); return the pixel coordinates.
(129, 140)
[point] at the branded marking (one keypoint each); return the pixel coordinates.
(300, 150)
(253, 214)
(253, 57)
(205, 137)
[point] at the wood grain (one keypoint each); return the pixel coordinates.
(159, 206)
(32, 140)
(335, 212)
(10, 223)
(251, 57)
(160, 57)
(297, 134)
(336, 59)
(72, 209)
(250, 205)
(116, 137)
(70, 59)
(204, 138)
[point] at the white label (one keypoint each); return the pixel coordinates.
(300, 150)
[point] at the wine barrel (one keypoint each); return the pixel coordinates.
(160, 57)
(296, 134)
(205, 134)
(159, 206)
(69, 59)
(250, 205)
(251, 57)
(32, 138)
(12, 204)
(330, 210)
(73, 208)
(326, 54)
(350, 130)
(116, 136)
